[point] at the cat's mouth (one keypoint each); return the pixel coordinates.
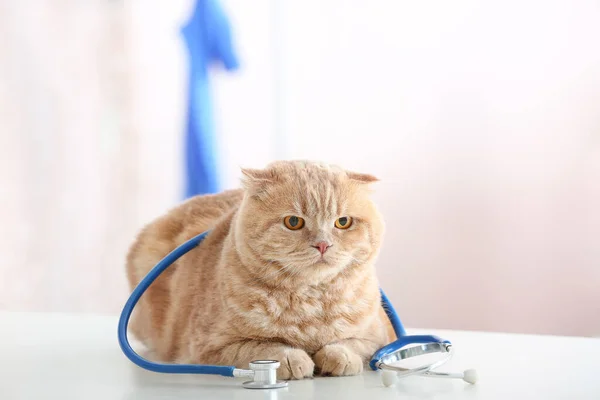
(324, 260)
(312, 260)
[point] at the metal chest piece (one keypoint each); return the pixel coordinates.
(265, 375)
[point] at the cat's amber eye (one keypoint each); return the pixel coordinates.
(343, 223)
(293, 222)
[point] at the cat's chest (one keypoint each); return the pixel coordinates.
(307, 318)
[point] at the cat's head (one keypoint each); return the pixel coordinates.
(307, 221)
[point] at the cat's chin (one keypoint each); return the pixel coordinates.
(322, 262)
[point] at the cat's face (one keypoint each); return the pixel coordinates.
(306, 221)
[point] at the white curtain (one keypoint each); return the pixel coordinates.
(83, 162)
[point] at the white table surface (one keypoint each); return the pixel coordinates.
(54, 356)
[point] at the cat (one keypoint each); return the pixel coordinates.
(286, 273)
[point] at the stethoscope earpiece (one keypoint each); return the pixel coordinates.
(470, 376)
(389, 378)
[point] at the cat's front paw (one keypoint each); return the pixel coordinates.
(338, 360)
(295, 364)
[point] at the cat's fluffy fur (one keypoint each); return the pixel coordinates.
(254, 289)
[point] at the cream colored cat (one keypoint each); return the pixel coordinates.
(286, 273)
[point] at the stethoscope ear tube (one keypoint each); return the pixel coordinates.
(138, 291)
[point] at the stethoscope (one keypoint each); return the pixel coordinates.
(263, 373)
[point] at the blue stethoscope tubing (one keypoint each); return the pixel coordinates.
(402, 338)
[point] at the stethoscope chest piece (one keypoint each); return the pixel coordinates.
(265, 375)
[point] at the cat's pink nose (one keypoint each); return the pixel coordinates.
(322, 247)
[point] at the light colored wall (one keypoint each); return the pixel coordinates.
(481, 119)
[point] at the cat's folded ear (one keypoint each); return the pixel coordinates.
(256, 181)
(257, 176)
(361, 178)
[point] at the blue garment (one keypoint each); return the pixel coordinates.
(208, 38)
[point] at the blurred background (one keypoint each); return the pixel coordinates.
(482, 120)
